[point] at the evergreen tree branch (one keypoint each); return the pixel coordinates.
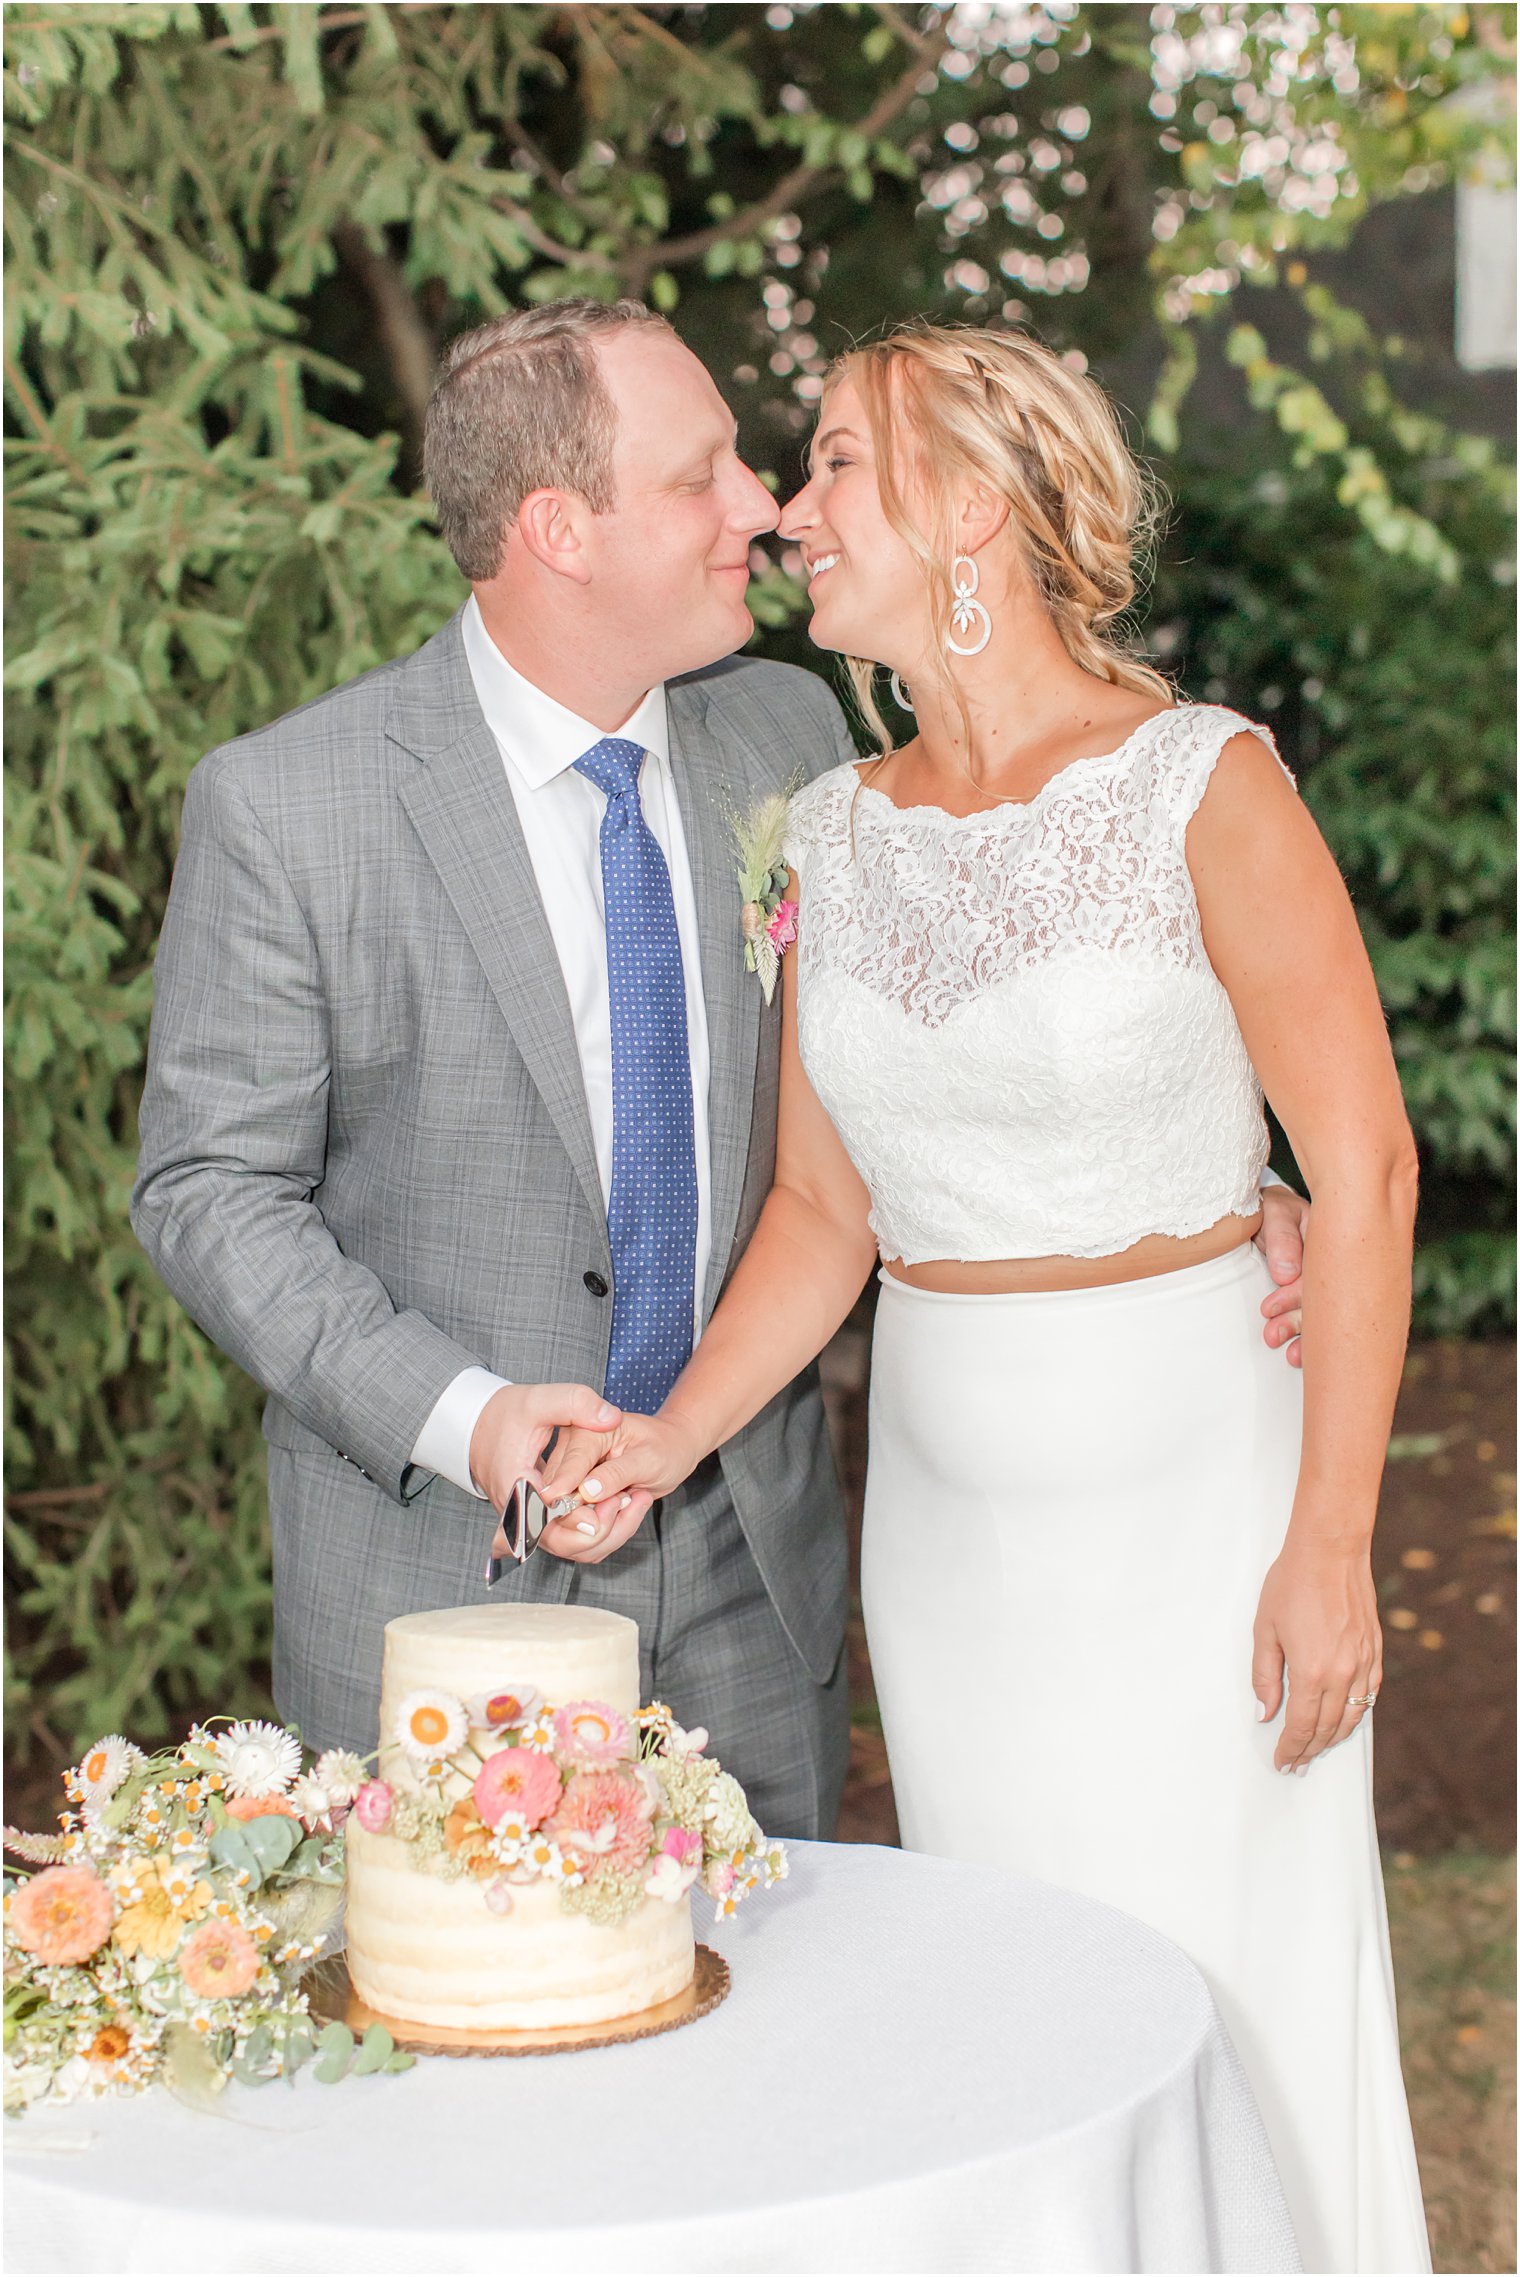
(404, 331)
(795, 186)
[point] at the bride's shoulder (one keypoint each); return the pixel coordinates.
(1180, 749)
(819, 811)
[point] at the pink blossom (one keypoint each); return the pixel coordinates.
(588, 1731)
(603, 1821)
(372, 1806)
(519, 1779)
(783, 926)
(720, 1881)
(681, 1843)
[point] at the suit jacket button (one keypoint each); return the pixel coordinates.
(595, 1284)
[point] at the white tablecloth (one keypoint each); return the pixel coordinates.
(921, 2066)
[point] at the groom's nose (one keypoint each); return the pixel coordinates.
(754, 510)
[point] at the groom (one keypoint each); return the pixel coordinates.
(459, 1096)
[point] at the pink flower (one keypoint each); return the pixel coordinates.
(372, 1806)
(603, 1820)
(720, 1881)
(62, 1915)
(590, 1732)
(783, 926)
(520, 1779)
(681, 1843)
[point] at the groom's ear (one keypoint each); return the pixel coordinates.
(551, 525)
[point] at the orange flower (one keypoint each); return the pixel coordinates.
(109, 2045)
(466, 1838)
(62, 1914)
(220, 1961)
(261, 1806)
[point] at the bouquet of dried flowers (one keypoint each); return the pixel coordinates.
(165, 1929)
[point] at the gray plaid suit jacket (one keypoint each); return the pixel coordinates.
(366, 1159)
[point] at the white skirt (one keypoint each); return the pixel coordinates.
(1071, 1502)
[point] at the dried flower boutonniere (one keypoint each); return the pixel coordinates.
(767, 919)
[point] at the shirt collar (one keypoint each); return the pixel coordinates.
(540, 737)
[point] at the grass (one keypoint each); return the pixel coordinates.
(1452, 1921)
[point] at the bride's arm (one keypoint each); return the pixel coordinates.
(805, 1265)
(1282, 936)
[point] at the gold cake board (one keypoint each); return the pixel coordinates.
(333, 1999)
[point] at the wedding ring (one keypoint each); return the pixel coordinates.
(1361, 1700)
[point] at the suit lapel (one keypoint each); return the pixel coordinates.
(462, 809)
(710, 783)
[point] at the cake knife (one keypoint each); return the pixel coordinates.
(520, 1528)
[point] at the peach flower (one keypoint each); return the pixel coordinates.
(219, 1961)
(603, 1820)
(465, 1838)
(517, 1778)
(260, 1806)
(61, 1915)
(110, 2044)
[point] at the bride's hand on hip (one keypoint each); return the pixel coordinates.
(616, 1477)
(1317, 1614)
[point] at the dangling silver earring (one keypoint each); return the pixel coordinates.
(900, 693)
(968, 610)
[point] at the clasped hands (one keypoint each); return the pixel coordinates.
(618, 1466)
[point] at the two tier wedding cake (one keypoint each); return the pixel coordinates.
(525, 1856)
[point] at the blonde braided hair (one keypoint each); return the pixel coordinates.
(945, 402)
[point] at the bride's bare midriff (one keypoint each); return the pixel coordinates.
(1000, 1276)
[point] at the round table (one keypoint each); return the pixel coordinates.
(921, 2066)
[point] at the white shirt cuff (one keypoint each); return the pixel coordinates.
(1270, 1178)
(443, 1443)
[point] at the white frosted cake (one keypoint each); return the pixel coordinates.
(529, 1870)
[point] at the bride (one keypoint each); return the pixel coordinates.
(1115, 1563)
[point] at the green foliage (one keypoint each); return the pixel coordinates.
(1391, 691)
(238, 236)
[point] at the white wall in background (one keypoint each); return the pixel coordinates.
(1486, 261)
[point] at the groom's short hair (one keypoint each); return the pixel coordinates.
(521, 406)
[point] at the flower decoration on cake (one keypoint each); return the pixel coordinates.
(430, 1725)
(172, 1917)
(589, 1732)
(509, 1706)
(610, 1810)
(518, 1779)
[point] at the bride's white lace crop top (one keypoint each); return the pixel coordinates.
(1010, 1016)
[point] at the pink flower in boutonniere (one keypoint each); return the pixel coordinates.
(767, 921)
(782, 929)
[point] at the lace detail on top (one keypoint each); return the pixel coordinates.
(1011, 1017)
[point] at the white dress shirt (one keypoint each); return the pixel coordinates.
(561, 816)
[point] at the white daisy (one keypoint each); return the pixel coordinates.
(429, 1724)
(341, 1773)
(104, 1766)
(260, 1759)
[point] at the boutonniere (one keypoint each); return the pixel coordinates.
(767, 919)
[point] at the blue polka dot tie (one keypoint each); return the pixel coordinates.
(652, 1207)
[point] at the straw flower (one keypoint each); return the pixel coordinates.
(259, 1758)
(340, 1773)
(502, 1710)
(430, 1724)
(372, 1806)
(104, 1767)
(61, 1915)
(590, 1732)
